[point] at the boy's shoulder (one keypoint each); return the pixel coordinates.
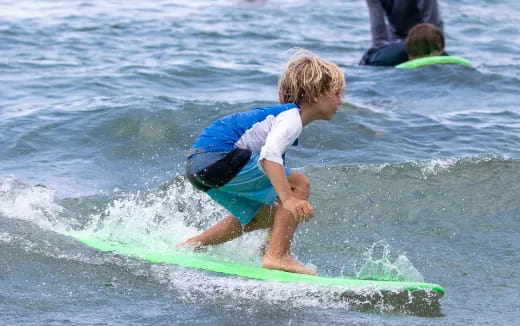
(263, 112)
(278, 107)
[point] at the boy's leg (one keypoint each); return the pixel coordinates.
(226, 229)
(230, 228)
(278, 254)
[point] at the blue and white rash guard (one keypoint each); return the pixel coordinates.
(268, 131)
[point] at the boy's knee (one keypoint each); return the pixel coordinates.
(300, 185)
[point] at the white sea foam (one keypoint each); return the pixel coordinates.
(194, 285)
(435, 166)
(6, 237)
(31, 203)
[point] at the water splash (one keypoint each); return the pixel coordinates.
(159, 220)
(379, 265)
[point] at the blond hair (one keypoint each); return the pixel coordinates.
(306, 77)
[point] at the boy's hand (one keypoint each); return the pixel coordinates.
(299, 208)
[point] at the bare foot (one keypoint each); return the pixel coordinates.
(286, 263)
(192, 246)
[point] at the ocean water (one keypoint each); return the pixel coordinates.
(417, 175)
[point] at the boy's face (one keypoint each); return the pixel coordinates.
(327, 105)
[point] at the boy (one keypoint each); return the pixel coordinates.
(239, 161)
(424, 40)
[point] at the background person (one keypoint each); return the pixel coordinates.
(390, 22)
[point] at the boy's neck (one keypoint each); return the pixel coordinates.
(306, 114)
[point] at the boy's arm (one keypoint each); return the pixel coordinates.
(299, 208)
(285, 130)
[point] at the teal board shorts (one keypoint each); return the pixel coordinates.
(246, 192)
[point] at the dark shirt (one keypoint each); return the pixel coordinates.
(390, 20)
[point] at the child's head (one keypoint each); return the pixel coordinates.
(424, 40)
(306, 77)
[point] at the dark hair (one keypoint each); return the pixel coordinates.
(423, 40)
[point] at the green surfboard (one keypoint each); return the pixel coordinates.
(213, 264)
(435, 60)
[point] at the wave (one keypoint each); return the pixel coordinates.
(37, 223)
(435, 197)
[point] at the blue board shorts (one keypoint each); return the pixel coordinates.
(245, 193)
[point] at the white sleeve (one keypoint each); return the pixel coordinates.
(285, 130)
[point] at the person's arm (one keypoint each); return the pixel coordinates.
(378, 26)
(430, 13)
(285, 130)
(299, 208)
